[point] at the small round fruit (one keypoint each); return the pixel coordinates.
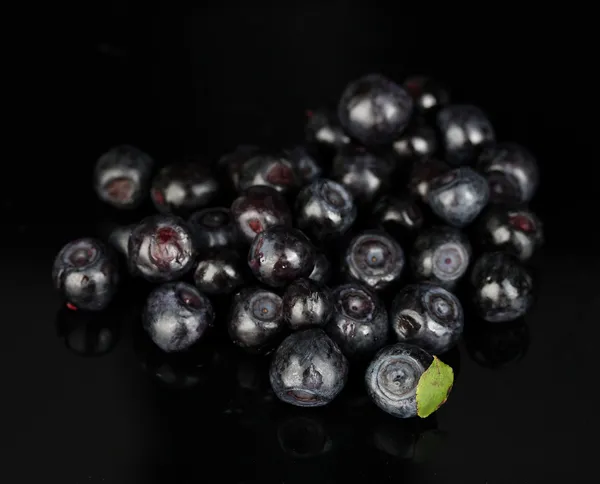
(161, 248)
(230, 164)
(423, 173)
(427, 316)
(280, 255)
(219, 272)
(374, 110)
(393, 376)
(400, 217)
(428, 94)
(305, 165)
(256, 320)
(322, 271)
(308, 369)
(306, 304)
(86, 275)
(214, 228)
(417, 142)
(275, 171)
(176, 316)
(322, 129)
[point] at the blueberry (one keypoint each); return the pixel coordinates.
(219, 272)
(427, 316)
(87, 333)
(458, 196)
(322, 271)
(392, 378)
(305, 165)
(256, 320)
(497, 345)
(423, 173)
(400, 217)
(231, 163)
(359, 324)
(374, 258)
(214, 228)
(308, 369)
(502, 287)
(441, 255)
(280, 255)
(427, 93)
(325, 209)
(176, 316)
(259, 208)
(417, 142)
(323, 129)
(273, 170)
(374, 110)
(86, 275)
(306, 304)
(161, 248)
(122, 176)
(511, 171)
(465, 131)
(515, 230)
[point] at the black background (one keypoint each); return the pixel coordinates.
(202, 83)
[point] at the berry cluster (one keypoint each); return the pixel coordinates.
(362, 245)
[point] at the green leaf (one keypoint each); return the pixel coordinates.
(433, 387)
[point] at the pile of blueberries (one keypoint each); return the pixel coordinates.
(366, 244)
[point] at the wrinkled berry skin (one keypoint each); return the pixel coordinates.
(280, 255)
(176, 316)
(256, 319)
(325, 209)
(374, 110)
(85, 273)
(417, 142)
(428, 94)
(441, 255)
(219, 271)
(273, 170)
(306, 304)
(323, 129)
(308, 369)
(502, 287)
(427, 316)
(321, 274)
(400, 217)
(305, 165)
(458, 196)
(515, 230)
(393, 376)
(423, 172)
(214, 228)
(374, 258)
(259, 208)
(359, 323)
(231, 163)
(122, 176)
(119, 238)
(465, 130)
(511, 171)
(161, 248)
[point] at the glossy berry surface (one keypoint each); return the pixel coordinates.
(502, 287)
(323, 129)
(417, 142)
(325, 209)
(306, 304)
(176, 316)
(374, 258)
(219, 271)
(273, 170)
(122, 176)
(400, 217)
(427, 316)
(86, 274)
(322, 270)
(280, 255)
(422, 174)
(308, 369)
(515, 230)
(427, 93)
(256, 319)
(458, 196)
(305, 165)
(441, 255)
(465, 130)
(259, 208)
(374, 110)
(511, 171)
(230, 164)
(359, 324)
(214, 228)
(393, 376)
(161, 248)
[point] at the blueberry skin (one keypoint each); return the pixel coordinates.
(322, 129)
(423, 173)
(427, 316)
(85, 273)
(119, 238)
(322, 271)
(176, 316)
(515, 230)
(502, 287)
(161, 248)
(359, 323)
(280, 255)
(306, 304)
(417, 142)
(374, 110)
(122, 176)
(231, 163)
(308, 369)
(465, 131)
(458, 196)
(256, 319)
(441, 255)
(305, 165)
(374, 258)
(511, 171)
(214, 228)
(325, 209)
(400, 217)
(219, 272)
(392, 378)
(427, 93)
(259, 208)
(273, 170)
